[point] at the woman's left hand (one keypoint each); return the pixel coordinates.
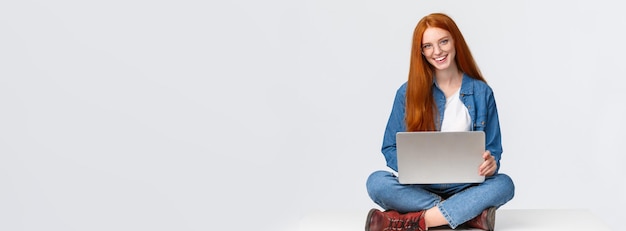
(488, 167)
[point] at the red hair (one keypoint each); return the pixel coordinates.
(420, 106)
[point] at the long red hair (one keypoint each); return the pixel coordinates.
(421, 110)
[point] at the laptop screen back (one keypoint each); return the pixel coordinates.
(440, 157)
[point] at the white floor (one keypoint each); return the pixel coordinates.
(506, 220)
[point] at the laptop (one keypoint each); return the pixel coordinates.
(440, 157)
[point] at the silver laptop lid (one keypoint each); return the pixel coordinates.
(440, 157)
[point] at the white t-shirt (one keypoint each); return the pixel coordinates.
(455, 115)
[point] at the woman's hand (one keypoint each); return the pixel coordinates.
(488, 167)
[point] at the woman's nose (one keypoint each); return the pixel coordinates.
(437, 49)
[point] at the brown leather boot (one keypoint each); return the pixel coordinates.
(391, 220)
(485, 221)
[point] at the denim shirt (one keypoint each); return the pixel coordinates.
(481, 105)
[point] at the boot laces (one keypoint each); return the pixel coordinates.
(411, 224)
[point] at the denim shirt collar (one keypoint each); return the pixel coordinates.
(467, 89)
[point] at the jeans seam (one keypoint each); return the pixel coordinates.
(447, 216)
(451, 221)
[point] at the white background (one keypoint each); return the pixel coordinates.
(196, 115)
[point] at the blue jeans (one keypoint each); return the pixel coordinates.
(457, 202)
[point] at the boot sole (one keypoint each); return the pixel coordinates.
(491, 219)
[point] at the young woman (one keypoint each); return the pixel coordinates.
(445, 91)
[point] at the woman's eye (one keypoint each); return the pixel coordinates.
(443, 42)
(426, 46)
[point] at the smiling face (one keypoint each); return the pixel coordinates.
(438, 48)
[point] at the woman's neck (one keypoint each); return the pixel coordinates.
(450, 77)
